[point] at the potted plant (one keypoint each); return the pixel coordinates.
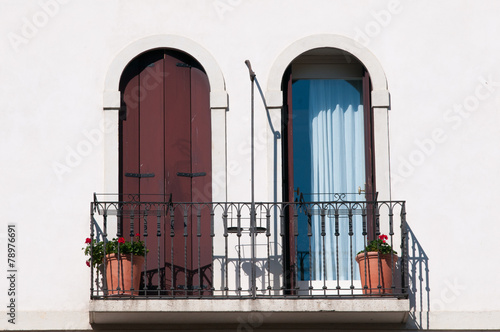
(376, 264)
(124, 261)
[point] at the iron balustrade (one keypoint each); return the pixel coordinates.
(206, 250)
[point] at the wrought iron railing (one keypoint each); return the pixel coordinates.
(243, 250)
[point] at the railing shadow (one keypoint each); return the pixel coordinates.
(419, 290)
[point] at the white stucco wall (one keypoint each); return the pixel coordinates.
(441, 64)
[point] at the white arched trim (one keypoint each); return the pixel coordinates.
(218, 105)
(380, 94)
(218, 94)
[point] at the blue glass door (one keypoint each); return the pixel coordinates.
(328, 161)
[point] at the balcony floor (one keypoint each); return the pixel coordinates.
(130, 314)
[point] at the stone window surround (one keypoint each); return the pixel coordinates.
(274, 96)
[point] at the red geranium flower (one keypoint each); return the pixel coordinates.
(88, 240)
(121, 240)
(380, 245)
(88, 263)
(383, 237)
(137, 234)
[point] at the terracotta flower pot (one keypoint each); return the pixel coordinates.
(124, 278)
(376, 270)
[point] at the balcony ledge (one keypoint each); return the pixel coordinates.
(234, 312)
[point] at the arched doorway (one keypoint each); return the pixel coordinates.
(328, 155)
(165, 154)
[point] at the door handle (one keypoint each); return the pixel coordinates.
(361, 190)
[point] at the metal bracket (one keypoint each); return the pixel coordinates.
(140, 175)
(191, 175)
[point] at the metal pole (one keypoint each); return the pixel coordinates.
(252, 176)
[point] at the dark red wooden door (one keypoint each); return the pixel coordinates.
(165, 135)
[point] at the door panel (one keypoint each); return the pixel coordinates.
(165, 134)
(201, 147)
(202, 177)
(151, 128)
(312, 122)
(290, 258)
(129, 133)
(370, 184)
(177, 129)
(177, 160)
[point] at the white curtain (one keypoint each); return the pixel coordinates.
(337, 166)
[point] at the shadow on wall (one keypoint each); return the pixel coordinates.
(419, 291)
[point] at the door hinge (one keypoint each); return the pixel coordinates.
(181, 64)
(191, 175)
(140, 175)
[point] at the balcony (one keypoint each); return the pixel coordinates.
(293, 261)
